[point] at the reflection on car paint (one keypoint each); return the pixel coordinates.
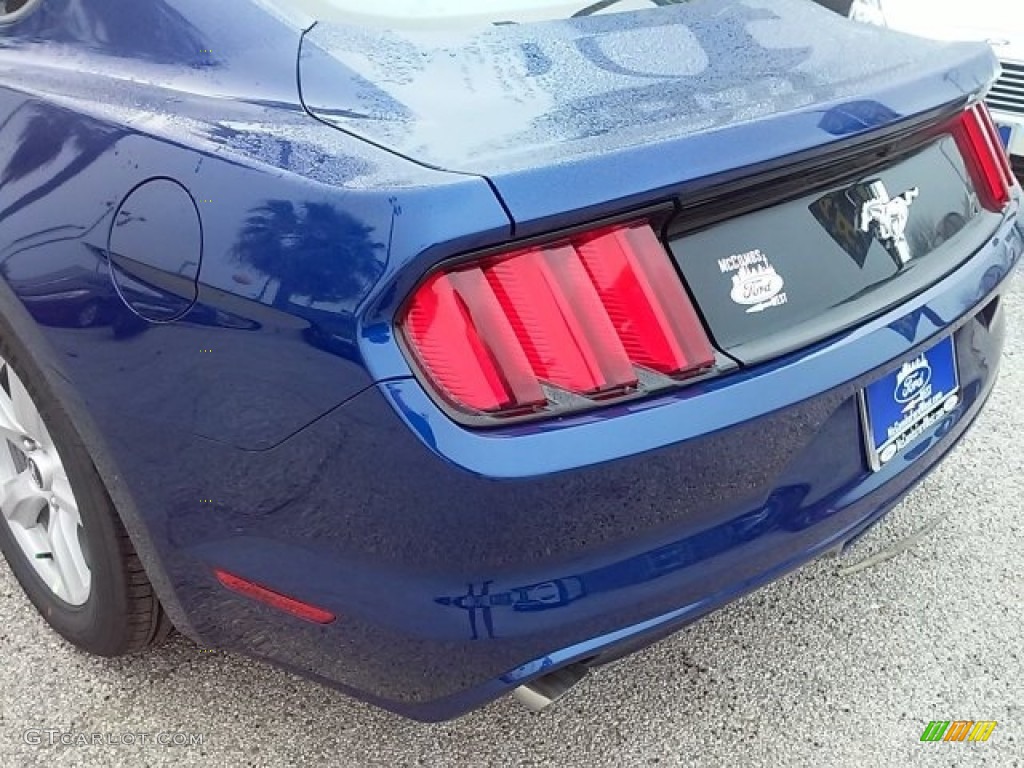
(782, 510)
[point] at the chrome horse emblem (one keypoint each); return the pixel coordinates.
(886, 219)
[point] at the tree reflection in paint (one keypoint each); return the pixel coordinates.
(310, 250)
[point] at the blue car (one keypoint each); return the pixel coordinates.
(440, 351)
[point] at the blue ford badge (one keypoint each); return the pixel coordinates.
(913, 377)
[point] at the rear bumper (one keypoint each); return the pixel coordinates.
(461, 564)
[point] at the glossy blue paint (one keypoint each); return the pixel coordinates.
(459, 563)
(282, 259)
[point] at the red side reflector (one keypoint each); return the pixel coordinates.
(983, 152)
(274, 599)
(503, 335)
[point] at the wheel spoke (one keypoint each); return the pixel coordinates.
(62, 534)
(21, 501)
(10, 427)
(26, 414)
(60, 490)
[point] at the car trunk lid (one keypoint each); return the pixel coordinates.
(671, 86)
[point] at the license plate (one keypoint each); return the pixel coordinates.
(1005, 133)
(899, 408)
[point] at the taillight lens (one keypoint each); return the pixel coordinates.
(986, 159)
(555, 327)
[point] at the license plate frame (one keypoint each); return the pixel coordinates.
(898, 408)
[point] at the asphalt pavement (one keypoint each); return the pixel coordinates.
(830, 666)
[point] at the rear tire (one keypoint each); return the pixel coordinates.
(52, 498)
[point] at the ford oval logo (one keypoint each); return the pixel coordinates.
(757, 287)
(908, 388)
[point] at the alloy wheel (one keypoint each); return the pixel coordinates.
(36, 499)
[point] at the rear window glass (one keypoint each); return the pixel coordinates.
(493, 11)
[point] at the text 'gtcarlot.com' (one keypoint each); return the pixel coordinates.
(53, 737)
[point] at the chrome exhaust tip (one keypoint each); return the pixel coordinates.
(539, 694)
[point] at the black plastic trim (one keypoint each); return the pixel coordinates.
(725, 202)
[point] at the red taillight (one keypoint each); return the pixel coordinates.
(645, 300)
(987, 162)
(585, 316)
(273, 599)
(1001, 152)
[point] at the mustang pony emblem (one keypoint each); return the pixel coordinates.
(886, 218)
